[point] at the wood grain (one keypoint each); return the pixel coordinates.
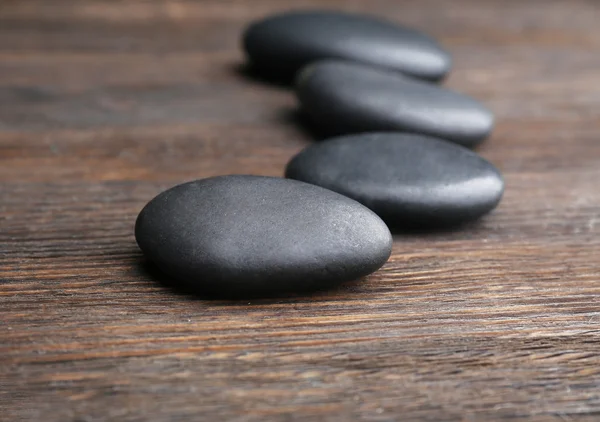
(104, 103)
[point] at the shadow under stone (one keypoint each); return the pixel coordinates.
(297, 118)
(202, 292)
(423, 230)
(263, 76)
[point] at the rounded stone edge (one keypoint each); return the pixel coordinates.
(289, 72)
(310, 107)
(291, 173)
(244, 291)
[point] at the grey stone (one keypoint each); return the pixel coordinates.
(410, 181)
(343, 98)
(252, 235)
(281, 45)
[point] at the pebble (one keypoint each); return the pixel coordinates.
(410, 181)
(281, 45)
(344, 98)
(250, 235)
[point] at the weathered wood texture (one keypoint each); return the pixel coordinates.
(103, 104)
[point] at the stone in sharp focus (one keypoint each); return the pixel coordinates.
(343, 98)
(251, 235)
(281, 45)
(410, 181)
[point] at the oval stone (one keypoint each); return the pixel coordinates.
(252, 235)
(282, 44)
(344, 98)
(411, 181)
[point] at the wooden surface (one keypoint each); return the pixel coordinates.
(103, 104)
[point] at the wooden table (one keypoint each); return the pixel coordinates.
(104, 104)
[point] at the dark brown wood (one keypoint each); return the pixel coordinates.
(103, 104)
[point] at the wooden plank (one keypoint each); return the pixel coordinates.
(103, 104)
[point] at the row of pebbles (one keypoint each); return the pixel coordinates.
(397, 158)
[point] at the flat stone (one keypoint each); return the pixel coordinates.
(281, 45)
(251, 235)
(410, 181)
(344, 98)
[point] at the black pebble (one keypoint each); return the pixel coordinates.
(252, 235)
(281, 45)
(410, 181)
(343, 98)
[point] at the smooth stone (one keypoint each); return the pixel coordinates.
(410, 181)
(281, 45)
(344, 98)
(251, 235)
